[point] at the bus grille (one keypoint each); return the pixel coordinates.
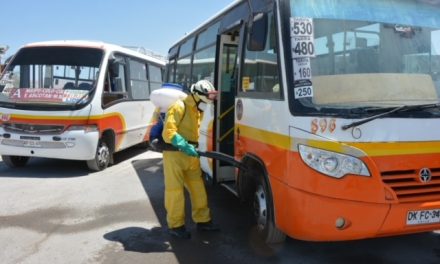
(33, 128)
(409, 188)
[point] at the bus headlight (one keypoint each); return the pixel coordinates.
(85, 128)
(331, 163)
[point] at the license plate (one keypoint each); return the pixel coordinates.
(32, 143)
(423, 217)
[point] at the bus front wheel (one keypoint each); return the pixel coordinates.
(102, 157)
(15, 161)
(264, 216)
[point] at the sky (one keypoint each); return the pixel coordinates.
(152, 24)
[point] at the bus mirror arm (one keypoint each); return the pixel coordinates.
(223, 157)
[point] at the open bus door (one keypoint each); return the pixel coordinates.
(217, 128)
(225, 114)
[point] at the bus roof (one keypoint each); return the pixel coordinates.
(98, 45)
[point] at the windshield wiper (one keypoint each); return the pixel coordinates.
(393, 110)
(85, 95)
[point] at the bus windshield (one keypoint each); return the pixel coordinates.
(363, 54)
(50, 77)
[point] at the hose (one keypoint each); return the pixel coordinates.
(223, 157)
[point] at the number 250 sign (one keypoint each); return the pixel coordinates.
(301, 32)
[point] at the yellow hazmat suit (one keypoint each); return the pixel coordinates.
(181, 170)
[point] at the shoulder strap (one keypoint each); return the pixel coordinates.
(184, 111)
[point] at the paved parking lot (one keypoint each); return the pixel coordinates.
(55, 211)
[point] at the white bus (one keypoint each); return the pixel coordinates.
(332, 105)
(75, 100)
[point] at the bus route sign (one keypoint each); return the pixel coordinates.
(301, 32)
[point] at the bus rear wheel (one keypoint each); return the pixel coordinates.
(102, 157)
(263, 213)
(15, 161)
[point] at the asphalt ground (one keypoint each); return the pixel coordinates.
(56, 211)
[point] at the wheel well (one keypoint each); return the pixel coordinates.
(259, 174)
(256, 171)
(108, 137)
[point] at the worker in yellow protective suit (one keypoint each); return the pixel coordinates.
(182, 165)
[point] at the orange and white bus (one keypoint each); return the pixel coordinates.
(332, 105)
(75, 100)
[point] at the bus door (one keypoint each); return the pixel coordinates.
(226, 85)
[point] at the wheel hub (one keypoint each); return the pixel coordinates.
(103, 155)
(260, 207)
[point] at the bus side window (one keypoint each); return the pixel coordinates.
(115, 84)
(117, 80)
(260, 75)
(155, 73)
(139, 87)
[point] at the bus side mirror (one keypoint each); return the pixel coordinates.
(258, 32)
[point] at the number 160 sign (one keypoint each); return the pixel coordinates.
(301, 32)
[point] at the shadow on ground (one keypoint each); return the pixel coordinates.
(237, 241)
(60, 168)
(138, 239)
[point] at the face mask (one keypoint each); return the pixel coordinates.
(201, 106)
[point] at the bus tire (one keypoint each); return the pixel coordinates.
(15, 161)
(245, 186)
(102, 157)
(264, 213)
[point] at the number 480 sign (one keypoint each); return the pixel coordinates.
(301, 32)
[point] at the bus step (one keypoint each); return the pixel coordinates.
(230, 186)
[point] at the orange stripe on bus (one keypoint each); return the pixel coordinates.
(369, 148)
(113, 121)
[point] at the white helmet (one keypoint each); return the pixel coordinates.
(203, 89)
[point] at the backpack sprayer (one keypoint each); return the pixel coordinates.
(163, 98)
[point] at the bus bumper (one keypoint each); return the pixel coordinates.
(316, 218)
(72, 145)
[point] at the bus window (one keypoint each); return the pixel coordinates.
(138, 80)
(183, 71)
(171, 71)
(207, 37)
(260, 75)
(115, 85)
(204, 64)
(155, 73)
(186, 48)
(118, 80)
(183, 67)
(55, 68)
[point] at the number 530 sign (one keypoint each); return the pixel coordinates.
(301, 32)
